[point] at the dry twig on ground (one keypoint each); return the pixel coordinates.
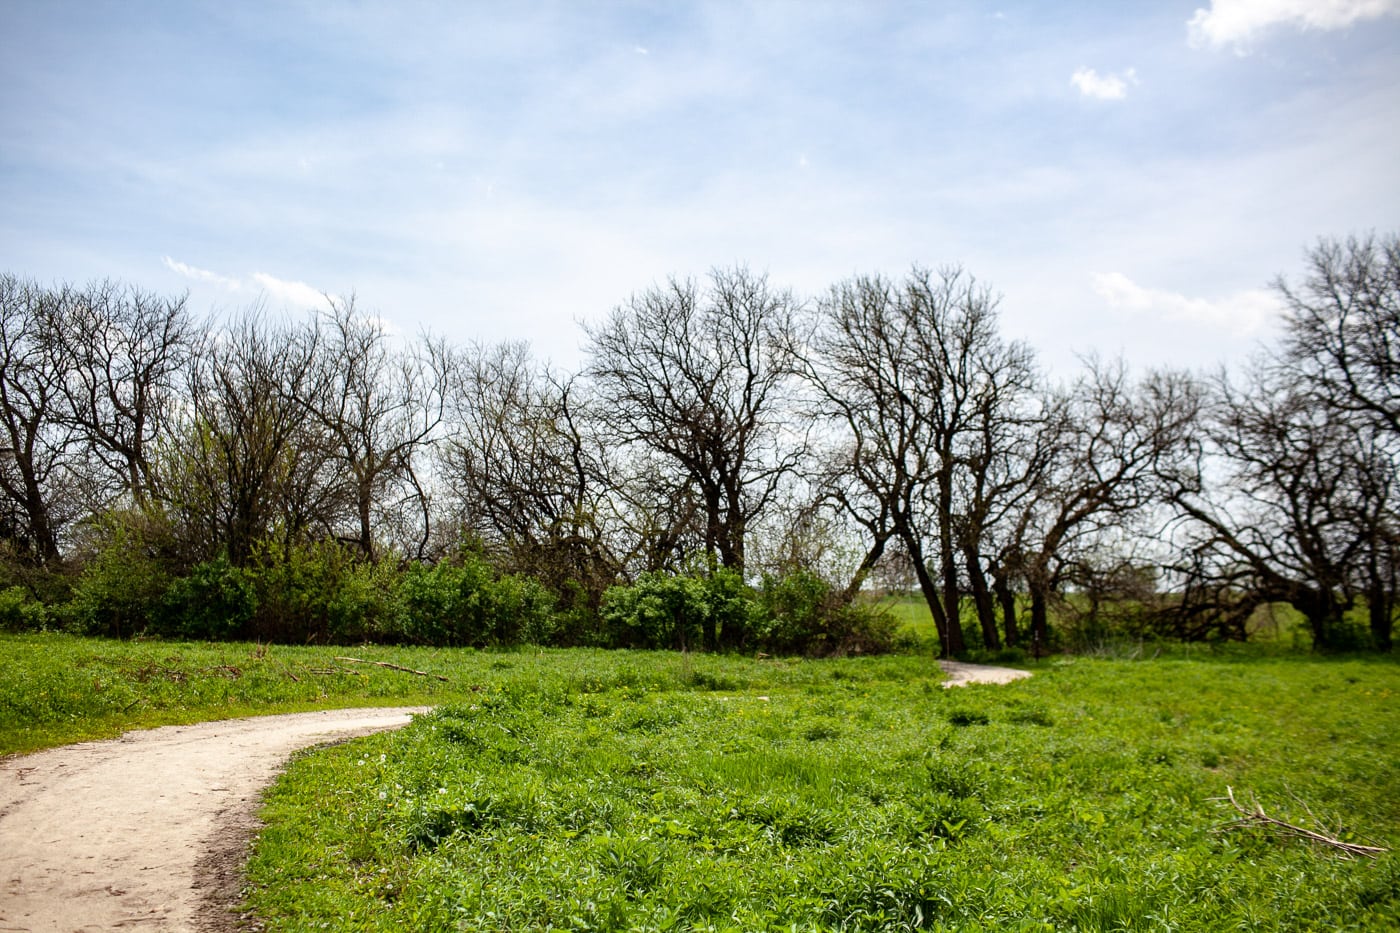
(1255, 816)
(392, 667)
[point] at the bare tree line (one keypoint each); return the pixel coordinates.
(884, 427)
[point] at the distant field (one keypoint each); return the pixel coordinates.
(913, 615)
(1277, 627)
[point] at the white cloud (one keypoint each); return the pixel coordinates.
(293, 294)
(201, 275)
(1103, 87)
(1242, 314)
(1236, 22)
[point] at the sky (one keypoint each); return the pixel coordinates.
(1130, 177)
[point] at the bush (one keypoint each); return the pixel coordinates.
(216, 601)
(461, 603)
(796, 614)
(804, 614)
(663, 610)
(319, 592)
(522, 611)
(121, 590)
(20, 612)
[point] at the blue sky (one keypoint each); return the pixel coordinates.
(1129, 176)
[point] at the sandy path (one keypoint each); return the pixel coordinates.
(149, 830)
(960, 674)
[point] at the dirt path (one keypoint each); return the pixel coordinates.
(960, 674)
(149, 830)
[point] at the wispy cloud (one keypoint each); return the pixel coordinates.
(292, 294)
(1242, 314)
(201, 275)
(1237, 22)
(295, 295)
(1103, 87)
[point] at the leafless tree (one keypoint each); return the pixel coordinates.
(378, 406)
(1342, 329)
(246, 465)
(1295, 498)
(126, 352)
(1112, 444)
(42, 469)
(928, 396)
(1342, 341)
(698, 375)
(524, 470)
(1272, 517)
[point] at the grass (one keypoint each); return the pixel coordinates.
(617, 792)
(56, 688)
(610, 791)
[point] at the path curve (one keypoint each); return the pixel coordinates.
(148, 830)
(960, 674)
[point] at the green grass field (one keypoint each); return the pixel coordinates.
(650, 791)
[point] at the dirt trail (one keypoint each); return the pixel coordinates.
(960, 674)
(149, 830)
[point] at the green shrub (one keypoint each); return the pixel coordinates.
(216, 601)
(121, 590)
(660, 610)
(20, 612)
(462, 603)
(321, 592)
(804, 614)
(522, 611)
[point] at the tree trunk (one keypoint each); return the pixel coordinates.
(1040, 627)
(1380, 607)
(872, 557)
(982, 599)
(1006, 596)
(929, 592)
(1381, 621)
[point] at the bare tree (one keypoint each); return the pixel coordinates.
(525, 471)
(1278, 523)
(246, 464)
(1304, 448)
(1343, 327)
(698, 375)
(928, 396)
(1112, 446)
(1342, 341)
(126, 351)
(378, 407)
(42, 472)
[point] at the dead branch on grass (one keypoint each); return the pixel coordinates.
(392, 667)
(1255, 816)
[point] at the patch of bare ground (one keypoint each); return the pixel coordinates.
(151, 829)
(960, 674)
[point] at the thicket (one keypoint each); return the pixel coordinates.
(733, 468)
(323, 593)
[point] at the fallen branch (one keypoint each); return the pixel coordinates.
(392, 667)
(1257, 817)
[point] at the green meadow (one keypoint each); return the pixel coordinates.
(590, 790)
